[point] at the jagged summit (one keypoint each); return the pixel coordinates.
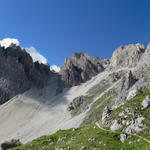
(114, 94)
(18, 72)
(127, 56)
(80, 67)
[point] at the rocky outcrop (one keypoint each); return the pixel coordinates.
(131, 94)
(146, 102)
(79, 104)
(144, 61)
(129, 80)
(76, 103)
(135, 125)
(126, 83)
(10, 144)
(18, 72)
(105, 115)
(80, 67)
(127, 56)
(123, 137)
(115, 126)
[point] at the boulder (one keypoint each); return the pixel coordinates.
(115, 126)
(123, 137)
(131, 94)
(135, 125)
(146, 102)
(91, 139)
(10, 144)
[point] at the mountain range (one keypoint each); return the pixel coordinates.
(92, 103)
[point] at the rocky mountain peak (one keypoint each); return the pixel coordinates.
(18, 72)
(78, 59)
(127, 56)
(78, 55)
(81, 67)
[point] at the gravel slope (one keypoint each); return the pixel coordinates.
(40, 112)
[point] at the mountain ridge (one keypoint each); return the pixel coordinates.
(76, 69)
(86, 91)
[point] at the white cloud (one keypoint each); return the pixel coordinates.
(6, 42)
(36, 56)
(55, 68)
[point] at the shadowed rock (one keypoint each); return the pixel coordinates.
(10, 144)
(76, 103)
(18, 72)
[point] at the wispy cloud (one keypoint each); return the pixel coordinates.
(36, 56)
(55, 68)
(6, 42)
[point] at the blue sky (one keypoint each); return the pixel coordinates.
(58, 28)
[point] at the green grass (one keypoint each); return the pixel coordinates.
(104, 140)
(97, 107)
(135, 106)
(77, 138)
(96, 113)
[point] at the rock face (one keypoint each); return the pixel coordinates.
(18, 72)
(145, 57)
(127, 56)
(126, 83)
(105, 115)
(81, 67)
(129, 80)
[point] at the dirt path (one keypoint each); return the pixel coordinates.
(98, 125)
(101, 127)
(141, 137)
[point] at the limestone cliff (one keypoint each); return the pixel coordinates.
(18, 72)
(80, 67)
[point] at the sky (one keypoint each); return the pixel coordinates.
(56, 29)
